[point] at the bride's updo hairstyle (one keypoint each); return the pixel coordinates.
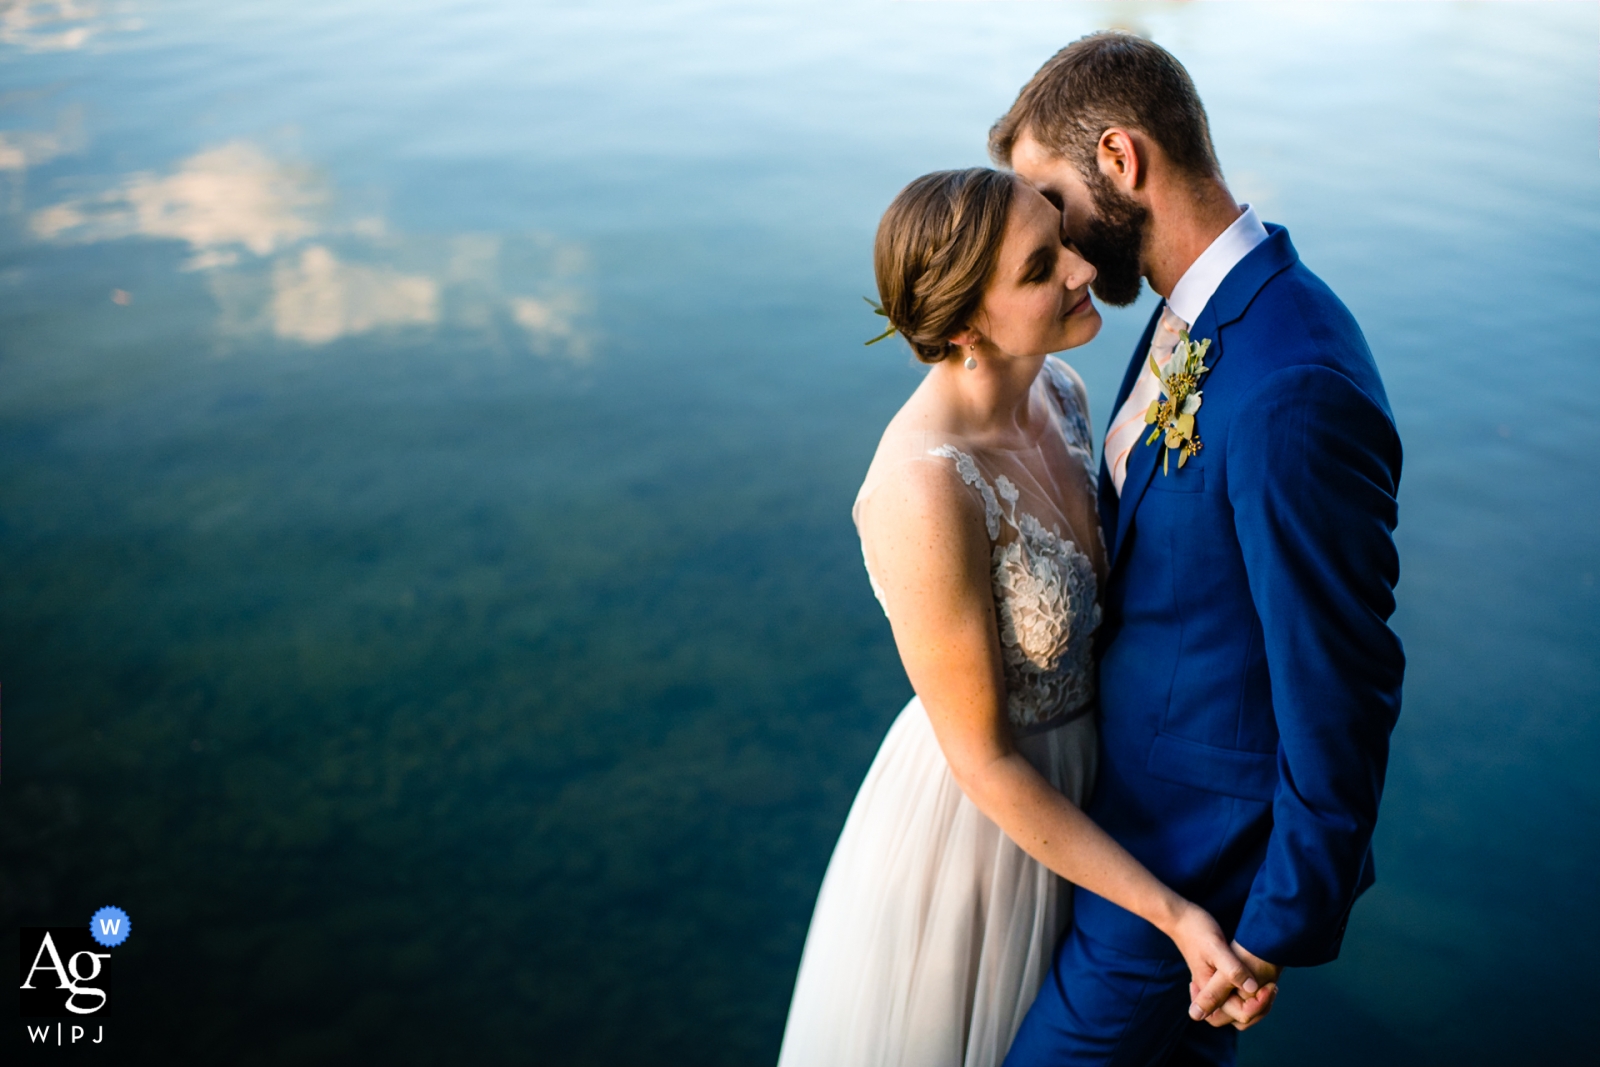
(935, 252)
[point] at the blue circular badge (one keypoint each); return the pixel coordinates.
(109, 927)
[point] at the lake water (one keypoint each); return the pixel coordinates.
(427, 436)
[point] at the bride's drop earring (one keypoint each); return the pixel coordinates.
(972, 361)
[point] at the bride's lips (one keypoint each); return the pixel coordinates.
(1081, 306)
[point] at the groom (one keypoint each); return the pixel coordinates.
(1249, 680)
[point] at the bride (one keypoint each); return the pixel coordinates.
(945, 897)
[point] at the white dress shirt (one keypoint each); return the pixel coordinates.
(1188, 298)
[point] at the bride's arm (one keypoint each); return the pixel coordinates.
(930, 553)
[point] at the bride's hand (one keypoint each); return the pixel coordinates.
(1242, 1012)
(1213, 967)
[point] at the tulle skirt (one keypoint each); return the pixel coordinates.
(932, 931)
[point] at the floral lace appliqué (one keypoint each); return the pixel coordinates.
(1074, 410)
(968, 470)
(1045, 595)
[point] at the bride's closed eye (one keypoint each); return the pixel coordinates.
(1041, 266)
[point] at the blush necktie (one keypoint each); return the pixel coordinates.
(1128, 428)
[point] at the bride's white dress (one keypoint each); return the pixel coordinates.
(932, 930)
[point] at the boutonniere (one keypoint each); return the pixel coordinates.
(1174, 416)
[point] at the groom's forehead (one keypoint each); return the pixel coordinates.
(1044, 169)
(1029, 157)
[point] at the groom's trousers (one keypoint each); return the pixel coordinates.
(1104, 1007)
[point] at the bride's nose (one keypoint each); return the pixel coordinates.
(1080, 272)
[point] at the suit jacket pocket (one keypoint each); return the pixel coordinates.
(1246, 775)
(1191, 479)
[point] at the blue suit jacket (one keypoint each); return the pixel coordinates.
(1249, 680)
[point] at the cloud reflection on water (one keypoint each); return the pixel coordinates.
(22, 149)
(551, 324)
(278, 262)
(318, 299)
(49, 25)
(232, 195)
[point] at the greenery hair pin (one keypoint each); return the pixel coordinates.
(877, 309)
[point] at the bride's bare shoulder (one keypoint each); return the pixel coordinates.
(917, 491)
(923, 528)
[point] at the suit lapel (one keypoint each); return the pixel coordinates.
(1144, 459)
(1228, 304)
(1109, 503)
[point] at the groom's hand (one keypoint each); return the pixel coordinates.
(1243, 1012)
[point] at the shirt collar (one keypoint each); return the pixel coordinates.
(1195, 289)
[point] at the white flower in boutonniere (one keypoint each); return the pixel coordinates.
(1173, 417)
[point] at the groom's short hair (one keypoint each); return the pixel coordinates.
(1104, 80)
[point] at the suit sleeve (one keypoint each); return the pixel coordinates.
(1313, 468)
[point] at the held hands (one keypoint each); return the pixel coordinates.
(1242, 1012)
(1229, 985)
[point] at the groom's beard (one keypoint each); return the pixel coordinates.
(1113, 241)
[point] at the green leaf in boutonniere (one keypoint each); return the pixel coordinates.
(1173, 417)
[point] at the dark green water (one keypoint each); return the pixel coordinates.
(427, 435)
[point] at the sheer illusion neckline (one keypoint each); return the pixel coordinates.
(1046, 552)
(1043, 419)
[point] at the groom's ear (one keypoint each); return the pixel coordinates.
(1121, 157)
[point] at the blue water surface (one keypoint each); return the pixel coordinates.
(427, 438)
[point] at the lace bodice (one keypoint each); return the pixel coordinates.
(1039, 508)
